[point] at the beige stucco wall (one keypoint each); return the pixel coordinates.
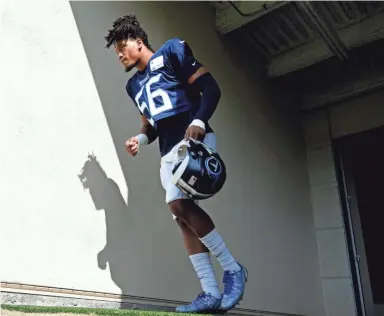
(65, 97)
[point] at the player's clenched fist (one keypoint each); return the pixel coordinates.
(132, 146)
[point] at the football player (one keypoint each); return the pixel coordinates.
(176, 96)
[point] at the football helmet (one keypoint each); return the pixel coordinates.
(198, 170)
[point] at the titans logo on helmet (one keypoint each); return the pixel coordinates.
(213, 166)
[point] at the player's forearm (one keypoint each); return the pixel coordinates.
(211, 94)
(150, 134)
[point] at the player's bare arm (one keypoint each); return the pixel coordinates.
(201, 71)
(146, 136)
(147, 129)
(211, 93)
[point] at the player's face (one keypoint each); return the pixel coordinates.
(128, 52)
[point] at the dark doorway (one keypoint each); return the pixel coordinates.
(362, 160)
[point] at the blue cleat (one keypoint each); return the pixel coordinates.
(204, 303)
(234, 286)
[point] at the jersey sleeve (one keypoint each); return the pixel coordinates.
(182, 59)
(128, 88)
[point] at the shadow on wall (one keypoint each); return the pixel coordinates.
(106, 196)
(127, 253)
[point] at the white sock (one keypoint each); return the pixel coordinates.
(204, 269)
(216, 245)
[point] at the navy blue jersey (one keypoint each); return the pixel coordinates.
(162, 94)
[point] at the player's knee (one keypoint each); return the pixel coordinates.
(179, 208)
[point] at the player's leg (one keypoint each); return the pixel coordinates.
(200, 259)
(201, 225)
(192, 243)
(210, 298)
(235, 275)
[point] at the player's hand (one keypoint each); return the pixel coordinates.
(132, 146)
(195, 132)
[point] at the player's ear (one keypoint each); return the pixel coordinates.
(139, 43)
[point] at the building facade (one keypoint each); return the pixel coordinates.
(85, 224)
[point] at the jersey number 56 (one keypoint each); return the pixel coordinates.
(152, 107)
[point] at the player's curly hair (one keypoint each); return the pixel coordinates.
(126, 27)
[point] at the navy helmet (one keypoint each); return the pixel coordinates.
(198, 170)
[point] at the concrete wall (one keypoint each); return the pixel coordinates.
(65, 98)
(345, 118)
